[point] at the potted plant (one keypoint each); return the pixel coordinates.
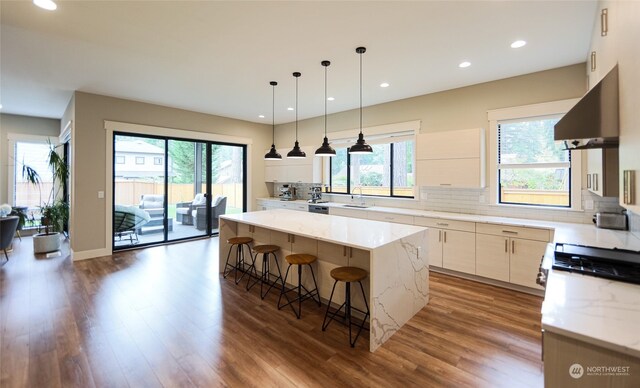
(55, 212)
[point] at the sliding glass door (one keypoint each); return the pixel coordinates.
(168, 189)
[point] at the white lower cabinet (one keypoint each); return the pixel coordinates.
(492, 257)
(459, 251)
(435, 247)
(509, 259)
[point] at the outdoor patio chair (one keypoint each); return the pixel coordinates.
(127, 219)
(184, 210)
(153, 204)
(218, 208)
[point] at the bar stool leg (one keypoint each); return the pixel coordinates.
(364, 320)
(326, 323)
(226, 264)
(315, 285)
(266, 257)
(284, 292)
(241, 261)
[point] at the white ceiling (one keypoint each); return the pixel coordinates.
(218, 57)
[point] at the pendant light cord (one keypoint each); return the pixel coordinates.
(325, 101)
(297, 109)
(273, 115)
(360, 92)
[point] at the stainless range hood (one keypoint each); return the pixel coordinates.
(593, 121)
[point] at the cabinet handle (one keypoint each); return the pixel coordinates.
(293, 239)
(506, 243)
(628, 187)
(509, 232)
(542, 340)
(513, 246)
(595, 182)
(442, 224)
(588, 181)
(604, 22)
(288, 238)
(439, 236)
(593, 61)
(350, 252)
(445, 184)
(344, 251)
(445, 236)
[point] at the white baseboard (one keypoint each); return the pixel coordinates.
(91, 254)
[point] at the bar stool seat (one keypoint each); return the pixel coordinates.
(264, 278)
(299, 259)
(347, 275)
(239, 242)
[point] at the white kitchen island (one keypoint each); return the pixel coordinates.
(395, 256)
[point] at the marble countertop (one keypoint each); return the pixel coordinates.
(352, 232)
(582, 234)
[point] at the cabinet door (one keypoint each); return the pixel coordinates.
(435, 247)
(390, 217)
(492, 257)
(594, 170)
(465, 143)
(525, 261)
(466, 173)
(459, 251)
(359, 258)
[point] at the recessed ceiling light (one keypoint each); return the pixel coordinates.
(49, 5)
(289, 108)
(384, 85)
(330, 98)
(464, 64)
(261, 116)
(518, 44)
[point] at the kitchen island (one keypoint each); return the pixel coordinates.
(395, 256)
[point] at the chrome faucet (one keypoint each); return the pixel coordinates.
(362, 203)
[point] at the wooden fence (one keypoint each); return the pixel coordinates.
(130, 192)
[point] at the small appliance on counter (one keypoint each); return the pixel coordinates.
(287, 193)
(316, 195)
(610, 220)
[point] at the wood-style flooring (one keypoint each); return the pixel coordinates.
(163, 316)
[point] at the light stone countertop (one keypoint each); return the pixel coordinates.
(594, 310)
(352, 232)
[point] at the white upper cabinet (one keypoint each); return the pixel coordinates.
(451, 159)
(307, 170)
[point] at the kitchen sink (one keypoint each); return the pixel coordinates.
(356, 206)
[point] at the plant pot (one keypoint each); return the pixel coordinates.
(43, 242)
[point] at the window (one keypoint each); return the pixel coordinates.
(526, 166)
(387, 171)
(533, 169)
(119, 159)
(157, 160)
(139, 159)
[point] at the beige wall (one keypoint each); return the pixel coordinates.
(20, 125)
(461, 108)
(88, 221)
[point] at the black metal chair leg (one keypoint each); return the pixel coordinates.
(316, 286)
(6, 256)
(325, 324)
(299, 292)
(364, 319)
(226, 264)
(284, 292)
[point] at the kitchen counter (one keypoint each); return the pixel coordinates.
(395, 256)
(597, 311)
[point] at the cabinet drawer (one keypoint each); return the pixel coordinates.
(514, 231)
(465, 173)
(390, 217)
(354, 213)
(442, 223)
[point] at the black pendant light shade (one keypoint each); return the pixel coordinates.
(361, 147)
(296, 152)
(273, 154)
(325, 149)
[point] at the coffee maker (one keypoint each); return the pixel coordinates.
(286, 193)
(316, 194)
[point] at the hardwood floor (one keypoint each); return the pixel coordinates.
(163, 316)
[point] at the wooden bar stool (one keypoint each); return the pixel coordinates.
(264, 278)
(347, 275)
(239, 243)
(299, 259)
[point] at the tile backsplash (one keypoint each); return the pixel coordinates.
(476, 201)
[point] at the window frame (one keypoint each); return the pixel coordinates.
(391, 169)
(157, 161)
(523, 113)
(124, 160)
(144, 160)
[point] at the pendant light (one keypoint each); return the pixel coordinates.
(296, 152)
(325, 149)
(361, 147)
(273, 154)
